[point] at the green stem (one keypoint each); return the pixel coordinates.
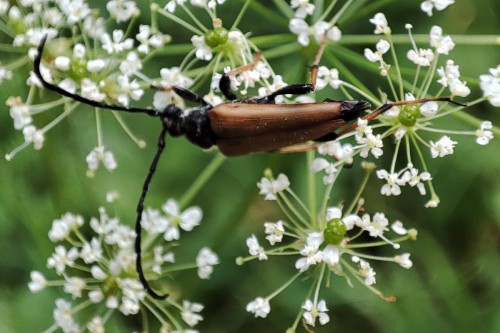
(201, 180)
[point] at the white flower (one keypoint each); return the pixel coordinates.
(398, 228)
(203, 51)
(91, 252)
(428, 5)
(269, 188)
(190, 313)
(100, 154)
(128, 88)
(75, 10)
(490, 85)
(122, 10)
(382, 47)
(319, 30)
(442, 147)
(303, 7)
(63, 316)
(310, 251)
(37, 283)
(274, 232)
(378, 225)
(160, 258)
(186, 220)
(313, 311)
(260, 307)
(91, 91)
(62, 258)
(392, 187)
(327, 77)
(429, 109)
(404, 260)
(62, 63)
(422, 57)
(147, 39)
(413, 178)
(484, 135)
(74, 286)
(331, 255)
(117, 44)
(96, 325)
(170, 6)
(365, 270)
(131, 65)
(255, 249)
(381, 25)
(63, 226)
(205, 260)
(371, 144)
(21, 115)
(443, 45)
(31, 134)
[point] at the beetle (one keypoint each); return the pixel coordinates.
(240, 126)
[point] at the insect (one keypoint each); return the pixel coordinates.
(240, 126)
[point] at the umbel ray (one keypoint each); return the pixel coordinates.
(240, 126)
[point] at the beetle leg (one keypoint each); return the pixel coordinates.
(189, 95)
(225, 81)
(299, 148)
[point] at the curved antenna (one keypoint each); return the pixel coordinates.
(59, 90)
(140, 209)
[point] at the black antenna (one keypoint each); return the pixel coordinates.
(140, 209)
(152, 168)
(78, 98)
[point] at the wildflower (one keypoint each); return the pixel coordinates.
(442, 147)
(321, 246)
(303, 8)
(260, 307)
(428, 5)
(186, 220)
(381, 25)
(490, 85)
(443, 45)
(484, 135)
(299, 27)
(269, 188)
(313, 311)
(100, 272)
(97, 155)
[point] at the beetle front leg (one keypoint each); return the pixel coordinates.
(225, 80)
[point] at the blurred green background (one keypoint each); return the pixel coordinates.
(452, 287)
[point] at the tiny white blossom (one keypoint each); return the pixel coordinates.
(442, 147)
(313, 311)
(404, 260)
(203, 51)
(74, 286)
(186, 220)
(116, 44)
(190, 313)
(255, 249)
(91, 252)
(274, 232)
(398, 228)
(62, 258)
(160, 258)
(392, 187)
(21, 115)
(422, 57)
(63, 226)
(260, 307)
(484, 135)
(490, 85)
(365, 270)
(37, 283)
(303, 7)
(205, 260)
(63, 316)
(413, 178)
(381, 25)
(428, 5)
(310, 251)
(122, 10)
(31, 134)
(91, 91)
(381, 48)
(96, 325)
(443, 45)
(100, 155)
(371, 144)
(331, 255)
(269, 188)
(327, 77)
(131, 65)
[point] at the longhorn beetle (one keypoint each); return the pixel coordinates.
(241, 126)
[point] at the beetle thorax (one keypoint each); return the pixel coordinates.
(193, 123)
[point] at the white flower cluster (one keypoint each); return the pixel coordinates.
(109, 260)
